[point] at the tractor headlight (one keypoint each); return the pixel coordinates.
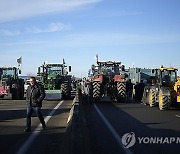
(178, 88)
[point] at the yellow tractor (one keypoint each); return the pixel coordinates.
(177, 89)
(164, 89)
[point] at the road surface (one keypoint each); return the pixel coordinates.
(150, 130)
(12, 124)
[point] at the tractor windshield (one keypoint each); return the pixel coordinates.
(55, 70)
(10, 72)
(169, 76)
(108, 69)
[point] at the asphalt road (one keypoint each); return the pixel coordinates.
(13, 139)
(98, 128)
(151, 130)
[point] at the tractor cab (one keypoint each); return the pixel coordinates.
(8, 75)
(166, 76)
(108, 68)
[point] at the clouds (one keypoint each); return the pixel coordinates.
(52, 27)
(7, 32)
(104, 39)
(86, 39)
(17, 9)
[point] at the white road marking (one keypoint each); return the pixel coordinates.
(35, 133)
(112, 130)
(178, 116)
(71, 111)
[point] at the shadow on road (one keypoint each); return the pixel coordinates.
(7, 115)
(118, 115)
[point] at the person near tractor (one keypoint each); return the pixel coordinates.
(88, 91)
(139, 89)
(83, 90)
(34, 97)
(136, 88)
(129, 90)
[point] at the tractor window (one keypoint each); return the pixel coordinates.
(169, 76)
(8, 73)
(107, 69)
(173, 76)
(55, 70)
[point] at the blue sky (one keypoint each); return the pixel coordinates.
(144, 33)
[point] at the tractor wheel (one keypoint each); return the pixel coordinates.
(96, 91)
(14, 93)
(21, 89)
(64, 89)
(1, 96)
(152, 97)
(121, 91)
(164, 99)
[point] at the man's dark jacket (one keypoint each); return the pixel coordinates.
(35, 95)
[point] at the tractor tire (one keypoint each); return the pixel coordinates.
(14, 93)
(65, 90)
(96, 91)
(164, 99)
(152, 97)
(121, 91)
(21, 89)
(1, 96)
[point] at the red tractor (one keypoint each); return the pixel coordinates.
(108, 79)
(10, 83)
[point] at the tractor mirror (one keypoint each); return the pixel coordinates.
(123, 68)
(69, 68)
(39, 69)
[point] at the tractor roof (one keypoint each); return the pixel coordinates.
(54, 65)
(7, 68)
(109, 63)
(162, 68)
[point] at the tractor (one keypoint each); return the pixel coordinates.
(10, 83)
(164, 89)
(55, 79)
(140, 75)
(108, 79)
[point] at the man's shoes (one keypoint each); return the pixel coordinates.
(44, 127)
(27, 130)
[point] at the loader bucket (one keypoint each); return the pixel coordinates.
(53, 94)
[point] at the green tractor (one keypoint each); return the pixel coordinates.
(10, 83)
(55, 79)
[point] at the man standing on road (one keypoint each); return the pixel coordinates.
(34, 97)
(129, 90)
